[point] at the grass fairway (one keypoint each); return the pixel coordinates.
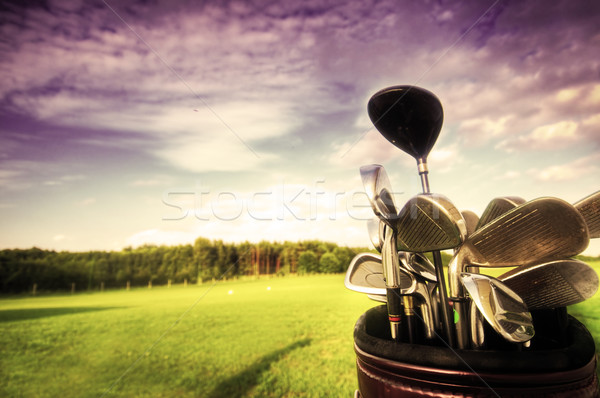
(294, 339)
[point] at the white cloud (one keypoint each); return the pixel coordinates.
(479, 131)
(509, 175)
(570, 171)
(216, 153)
(561, 131)
(551, 136)
(445, 159)
(367, 148)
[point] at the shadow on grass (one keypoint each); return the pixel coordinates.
(37, 313)
(239, 384)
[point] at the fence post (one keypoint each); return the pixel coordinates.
(128, 285)
(34, 289)
(185, 282)
(169, 283)
(72, 288)
(150, 284)
(101, 286)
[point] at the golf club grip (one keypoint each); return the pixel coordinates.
(394, 306)
(444, 305)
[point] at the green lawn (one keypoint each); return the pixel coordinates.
(294, 339)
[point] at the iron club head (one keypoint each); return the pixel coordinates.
(589, 208)
(379, 191)
(497, 207)
(504, 310)
(418, 264)
(471, 220)
(429, 222)
(375, 229)
(365, 274)
(553, 284)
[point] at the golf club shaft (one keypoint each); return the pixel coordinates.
(394, 306)
(409, 312)
(439, 267)
(391, 273)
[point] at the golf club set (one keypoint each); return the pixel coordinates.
(537, 239)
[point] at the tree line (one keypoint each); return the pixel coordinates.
(203, 260)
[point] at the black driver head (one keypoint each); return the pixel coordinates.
(409, 117)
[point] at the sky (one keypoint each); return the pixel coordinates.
(132, 122)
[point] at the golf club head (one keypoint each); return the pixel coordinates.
(540, 230)
(429, 222)
(365, 275)
(418, 264)
(409, 117)
(379, 191)
(497, 207)
(375, 232)
(471, 220)
(504, 310)
(589, 208)
(553, 284)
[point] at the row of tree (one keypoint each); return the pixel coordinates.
(204, 260)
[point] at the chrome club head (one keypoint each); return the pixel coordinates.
(471, 220)
(553, 284)
(429, 222)
(589, 208)
(375, 229)
(365, 274)
(497, 207)
(379, 191)
(418, 264)
(504, 310)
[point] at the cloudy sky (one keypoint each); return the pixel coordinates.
(126, 122)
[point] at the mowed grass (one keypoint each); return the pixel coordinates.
(292, 340)
(268, 338)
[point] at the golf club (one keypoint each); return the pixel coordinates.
(471, 220)
(418, 264)
(375, 229)
(365, 274)
(504, 310)
(429, 222)
(411, 118)
(589, 208)
(379, 191)
(553, 284)
(497, 207)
